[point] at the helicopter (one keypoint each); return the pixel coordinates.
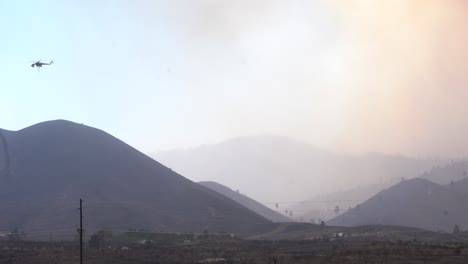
(38, 64)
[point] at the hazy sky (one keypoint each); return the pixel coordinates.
(350, 75)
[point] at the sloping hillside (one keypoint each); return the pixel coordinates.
(54, 164)
(246, 202)
(460, 187)
(414, 203)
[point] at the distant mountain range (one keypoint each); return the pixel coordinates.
(450, 172)
(328, 206)
(247, 202)
(46, 168)
(280, 170)
(414, 203)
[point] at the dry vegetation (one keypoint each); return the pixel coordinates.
(173, 248)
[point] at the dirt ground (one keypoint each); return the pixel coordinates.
(233, 250)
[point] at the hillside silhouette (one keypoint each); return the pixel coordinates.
(413, 203)
(53, 164)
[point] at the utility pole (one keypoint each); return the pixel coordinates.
(80, 230)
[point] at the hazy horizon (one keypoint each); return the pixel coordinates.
(262, 135)
(346, 76)
(336, 152)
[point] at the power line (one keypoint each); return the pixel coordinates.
(314, 201)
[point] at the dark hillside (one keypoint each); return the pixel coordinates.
(53, 164)
(413, 203)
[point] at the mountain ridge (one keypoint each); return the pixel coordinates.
(290, 168)
(55, 163)
(416, 203)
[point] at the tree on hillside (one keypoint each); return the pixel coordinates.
(456, 230)
(337, 209)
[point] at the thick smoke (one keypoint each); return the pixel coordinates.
(350, 75)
